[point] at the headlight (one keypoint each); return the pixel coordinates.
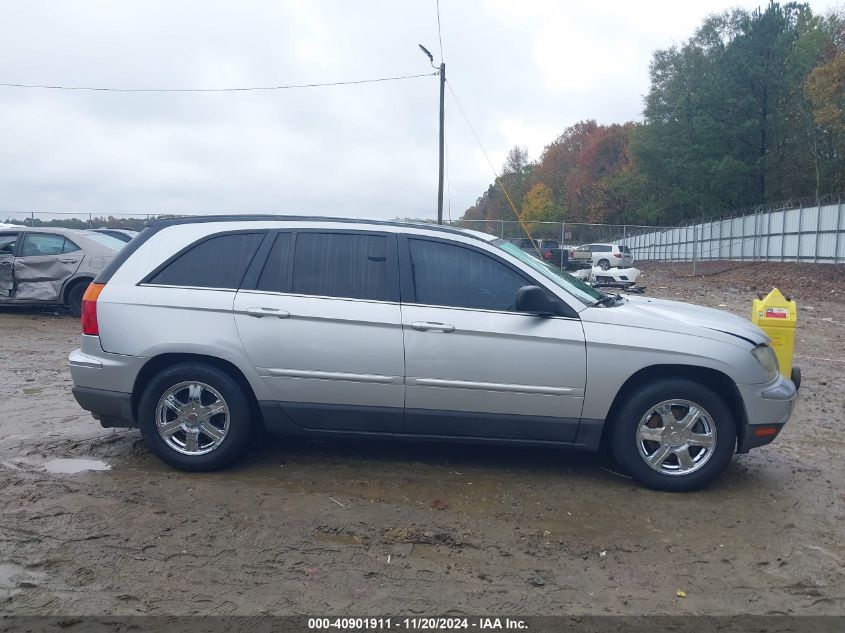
(765, 355)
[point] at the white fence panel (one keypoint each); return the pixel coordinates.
(801, 234)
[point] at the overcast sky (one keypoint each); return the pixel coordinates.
(524, 70)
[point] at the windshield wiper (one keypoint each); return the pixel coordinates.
(608, 300)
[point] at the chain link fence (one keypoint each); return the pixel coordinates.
(568, 234)
(805, 232)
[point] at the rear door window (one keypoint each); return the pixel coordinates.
(217, 262)
(343, 265)
(275, 276)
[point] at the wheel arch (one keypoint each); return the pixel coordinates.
(162, 361)
(72, 283)
(713, 378)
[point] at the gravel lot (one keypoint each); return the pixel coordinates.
(373, 528)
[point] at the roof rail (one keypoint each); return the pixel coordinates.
(161, 223)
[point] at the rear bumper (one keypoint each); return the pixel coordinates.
(111, 408)
(103, 383)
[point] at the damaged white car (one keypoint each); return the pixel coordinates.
(51, 266)
(613, 277)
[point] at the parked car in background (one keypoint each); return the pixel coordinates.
(605, 256)
(549, 251)
(201, 329)
(51, 266)
(124, 235)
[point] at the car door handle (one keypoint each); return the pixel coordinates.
(425, 326)
(68, 261)
(263, 312)
(5, 263)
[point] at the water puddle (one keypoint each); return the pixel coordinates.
(74, 466)
(8, 571)
(343, 539)
(14, 577)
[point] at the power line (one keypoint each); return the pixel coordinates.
(244, 89)
(448, 186)
(492, 168)
(439, 33)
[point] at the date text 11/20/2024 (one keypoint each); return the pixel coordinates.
(417, 624)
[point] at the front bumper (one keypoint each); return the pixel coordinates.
(768, 407)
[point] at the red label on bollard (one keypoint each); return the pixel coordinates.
(776, 313)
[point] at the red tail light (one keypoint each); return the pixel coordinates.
(617, 255)
(548, 255)
(571, 253)
(89, 309)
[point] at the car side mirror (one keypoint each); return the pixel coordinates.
(535, 300)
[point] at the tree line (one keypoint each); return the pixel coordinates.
(94, 222)
(750, 110)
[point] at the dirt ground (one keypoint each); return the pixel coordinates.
(347, 528)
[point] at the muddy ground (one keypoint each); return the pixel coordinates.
(373, 528)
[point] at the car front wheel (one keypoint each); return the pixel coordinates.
(674, 435)
(195, 417)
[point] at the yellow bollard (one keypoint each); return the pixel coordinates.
(777, 316)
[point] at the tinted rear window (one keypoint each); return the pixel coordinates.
(342, 265)
(218, 262)
(276, 274)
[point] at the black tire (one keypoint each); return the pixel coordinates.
(74, 298)
(795, 376)
(234, 442)
(625, 445)
(604, 264)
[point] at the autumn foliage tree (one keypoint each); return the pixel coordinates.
(750, 110)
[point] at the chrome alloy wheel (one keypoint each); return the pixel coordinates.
(192, 418)
(676, 437)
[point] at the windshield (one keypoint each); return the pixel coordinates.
(107, 240)
(577, 288)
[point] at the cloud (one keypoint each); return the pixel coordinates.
(523, 71)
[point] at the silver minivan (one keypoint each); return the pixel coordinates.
(202, 329)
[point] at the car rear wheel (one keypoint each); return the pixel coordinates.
(74, 298)
(195, 417)
(674, 435)
(604, 264)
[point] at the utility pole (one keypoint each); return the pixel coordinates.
(442, 142)
(442, 72)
